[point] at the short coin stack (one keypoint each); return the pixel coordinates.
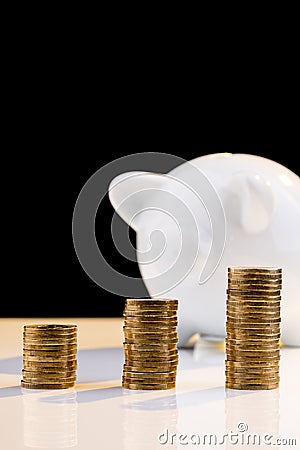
(49, 356)
(253, 327)
(151, 355)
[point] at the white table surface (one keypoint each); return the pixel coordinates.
(100, 414)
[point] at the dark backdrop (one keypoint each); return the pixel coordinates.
(49, 280)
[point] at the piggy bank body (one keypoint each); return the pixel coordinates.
(258, 219)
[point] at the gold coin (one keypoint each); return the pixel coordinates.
(254, 382)
(252, 320)
(149, 375)
(45, 359)
(148, 355)
(150, 342)
(153, 320)
(243, 387)
(259, 306)
(47, 385)
(165, 362)
(150, 301)
(257, 293)
(254, 300)
(158, 368)
(154, 385)
(145, 322)
(67, 363)
(143, 387)
(256, 326)
(150, 312)
(49, 342)
(251, 342)
(149, 380)
(50, 348)
(253, 269)
(43, 333)
(251, 348)
(150, 329)
(254, 303)
(252, 338)
(252, 379)
(165, 310)
(252, 358)
(50, 373)
(150, 345)
(156, 348)
(246, 329)
(266, 288)
(252, 279)
(50, 326)
(151, 335)
(240, 314)
(255, 273)
(49, 380)
(262, 377)
(260, 349)
(259, 363)
(239, 371)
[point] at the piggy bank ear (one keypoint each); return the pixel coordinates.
(252, 201)
(130, 191)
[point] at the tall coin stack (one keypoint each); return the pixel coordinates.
(150, 346)
(49, 356)
(253, 327)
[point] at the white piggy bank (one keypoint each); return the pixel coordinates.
(213, 212)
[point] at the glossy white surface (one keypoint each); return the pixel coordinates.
(99, 414)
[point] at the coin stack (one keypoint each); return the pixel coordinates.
(150, 346)
(253, 327)
(49, 356)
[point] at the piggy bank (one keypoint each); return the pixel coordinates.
(204, 216)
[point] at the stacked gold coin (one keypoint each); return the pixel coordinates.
(49, 356)
(253, 327)
(150, 346)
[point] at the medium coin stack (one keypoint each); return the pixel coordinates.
(253, 327)
(150, 346)
(49, 356)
